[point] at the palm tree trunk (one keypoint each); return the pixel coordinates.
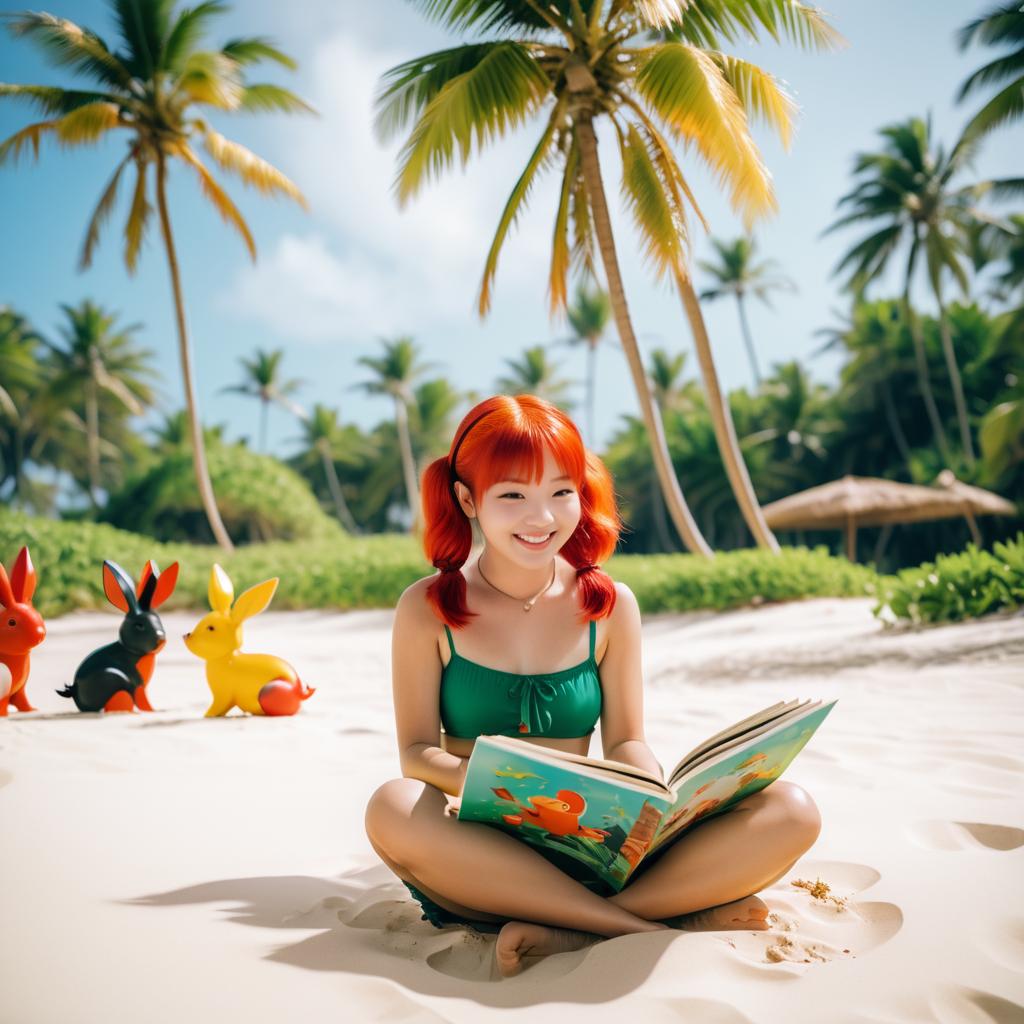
(721, 419)
(658, 514)
(956, 381)
(264, 406)
(408, 463)
(92, 439)
(198, 449)
(748, 341)
(677, 507)
(922, 361)
(340, 505)
(894, 422)
(591, 366)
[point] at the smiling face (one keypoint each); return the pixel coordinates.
(513, 513)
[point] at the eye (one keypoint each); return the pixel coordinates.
(210, 628)
(11, 622)
(516, 494)
(139, 626)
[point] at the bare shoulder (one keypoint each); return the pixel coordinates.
(413, 608)
(627, 608)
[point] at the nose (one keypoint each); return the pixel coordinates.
(186, 636)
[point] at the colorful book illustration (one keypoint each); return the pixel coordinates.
(597, 820)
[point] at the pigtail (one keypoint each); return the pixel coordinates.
(594, 540)
(447, 540)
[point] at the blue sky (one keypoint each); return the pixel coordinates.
(329, 283)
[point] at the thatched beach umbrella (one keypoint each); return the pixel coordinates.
(856, 501)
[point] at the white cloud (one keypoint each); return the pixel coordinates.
(369, 267)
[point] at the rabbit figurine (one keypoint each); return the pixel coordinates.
(21, 629)
(114, 677)
(257, 683)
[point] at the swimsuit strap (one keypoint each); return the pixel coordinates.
(593, 637)
(451, 642)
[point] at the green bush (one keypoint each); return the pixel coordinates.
(259, 498)
(959, 586)
(372, 572)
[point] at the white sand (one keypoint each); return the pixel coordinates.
(165, 867)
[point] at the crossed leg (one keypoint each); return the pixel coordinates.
(483, 874)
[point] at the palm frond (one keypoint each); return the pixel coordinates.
(30, 135)
(996, 71)
(1006, 106)
(761, 94)
(53, 100)
(255, 49)
(68, 45)
(145, 27)
(138, 218)
(561, 256)
(498, 93)
(187, 32)
(100, 214)
(704, 23)
(252, 169)
(212, 190)
(658, 219)
(87, 123)
(516, 203)
(272, 97)
(689, 92)
(212, 78)
(494, 15)
(1001, 25)
(870, 255)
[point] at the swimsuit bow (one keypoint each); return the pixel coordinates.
(531, 691)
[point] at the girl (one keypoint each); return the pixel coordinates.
(546, 644)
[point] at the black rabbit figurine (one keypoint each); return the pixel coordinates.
(114, 677)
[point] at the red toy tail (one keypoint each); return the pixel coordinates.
(283, 698)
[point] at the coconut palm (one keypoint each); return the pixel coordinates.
(321, 437)
(1001, 25)
(396, 371)
(534, 374)
(151, 89)
(736, 274)
(98, 360)
(664, 373)
(907, 186)
(649, 67)
(588, 317)
(263, 381)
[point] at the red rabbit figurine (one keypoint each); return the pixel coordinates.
(21, 629)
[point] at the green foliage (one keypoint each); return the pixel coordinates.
(372, 572)
(959, 586)
(260, 499)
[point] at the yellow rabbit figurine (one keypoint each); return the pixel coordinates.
(257, 683)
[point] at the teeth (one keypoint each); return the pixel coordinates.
(533, 540)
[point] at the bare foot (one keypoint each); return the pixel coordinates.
(748, 914)
(519, 939)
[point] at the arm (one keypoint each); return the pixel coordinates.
(416, 685)
(622, 715)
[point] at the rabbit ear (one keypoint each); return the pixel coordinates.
(147, 585)
(147, 570)
(221, 590)
(118, 587)
(23, 577)
(254, 600)
(6, 597)
(164, 585)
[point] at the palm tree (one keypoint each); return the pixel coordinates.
(587, 60)
(150, 88)
(588, 317)
(263, 381)
(98, 359)
(396, 371)
(321, 437)
(1001, 25)
(664, 372)
(175, 433)
(534, 374)
(737, 274)
(907, 186)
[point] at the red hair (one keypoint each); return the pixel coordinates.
(503, 437)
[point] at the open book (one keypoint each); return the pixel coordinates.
(598, 819)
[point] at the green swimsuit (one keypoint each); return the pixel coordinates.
(477, 700)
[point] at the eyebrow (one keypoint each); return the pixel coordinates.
(512, 480)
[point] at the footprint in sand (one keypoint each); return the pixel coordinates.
(1003, 942)
(954, 1004)
(817, 923)
(964, 835)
